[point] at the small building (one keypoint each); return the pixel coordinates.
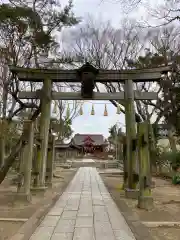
(95, 144)
(66, 151)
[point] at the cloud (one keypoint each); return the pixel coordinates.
(87, 125)
(97, 124)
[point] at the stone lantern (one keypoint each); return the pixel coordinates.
(87, 74)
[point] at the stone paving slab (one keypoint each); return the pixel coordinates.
(85, 211)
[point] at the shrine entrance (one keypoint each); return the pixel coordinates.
(88, 145)
(136, 142)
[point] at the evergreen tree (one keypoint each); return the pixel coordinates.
(169, 102)
(28, 29)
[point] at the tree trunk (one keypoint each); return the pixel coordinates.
(10, 159)
(4, 108)
(3, 132)
(2, 149)
(17, 149)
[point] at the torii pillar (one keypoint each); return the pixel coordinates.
(131, 142)
(44, 133)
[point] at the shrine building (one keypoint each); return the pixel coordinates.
(80, 145)
(90, 143)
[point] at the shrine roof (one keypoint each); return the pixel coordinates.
(97, 139)
(65, 146)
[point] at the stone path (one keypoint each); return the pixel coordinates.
(85, 211)
(88, 160)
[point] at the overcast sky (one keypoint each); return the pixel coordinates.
(105, 10)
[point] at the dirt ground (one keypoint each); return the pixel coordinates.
(9, 208)
(166, 205)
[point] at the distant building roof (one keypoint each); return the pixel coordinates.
(97, 139)
(60, 145)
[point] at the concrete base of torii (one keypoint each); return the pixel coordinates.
(145, 202)
(131, 193)
(22, 196)
(39, 189)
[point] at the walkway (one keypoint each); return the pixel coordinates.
(85, 211)
(88, 160)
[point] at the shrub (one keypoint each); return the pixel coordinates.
(173, 158)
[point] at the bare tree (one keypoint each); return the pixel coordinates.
(109, 48)
(105, 47)
(127, 5)
(167, 12)
(163, 12)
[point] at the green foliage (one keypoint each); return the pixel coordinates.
(173, 158)
(169, 103)
(12, 135)
(63, 128)
(115, 134)
(21, 17)
(20, 29)
(166, 158)
(58, 19)
(155, 130)
(176, 179)
(27, 28)
(27, 31)
(156, 59)
(157, 159)
(159, 130)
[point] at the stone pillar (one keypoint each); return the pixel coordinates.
(125, 167)
(44, 132)
(131, 150)
(28, 158)
(50, 161)
(145, 200)
(36, 166)
(2, 151)
(22, 158)
(26, 161)
(2, 141)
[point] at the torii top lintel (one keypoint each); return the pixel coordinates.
(101, 75)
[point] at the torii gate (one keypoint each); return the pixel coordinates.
(87, 73)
